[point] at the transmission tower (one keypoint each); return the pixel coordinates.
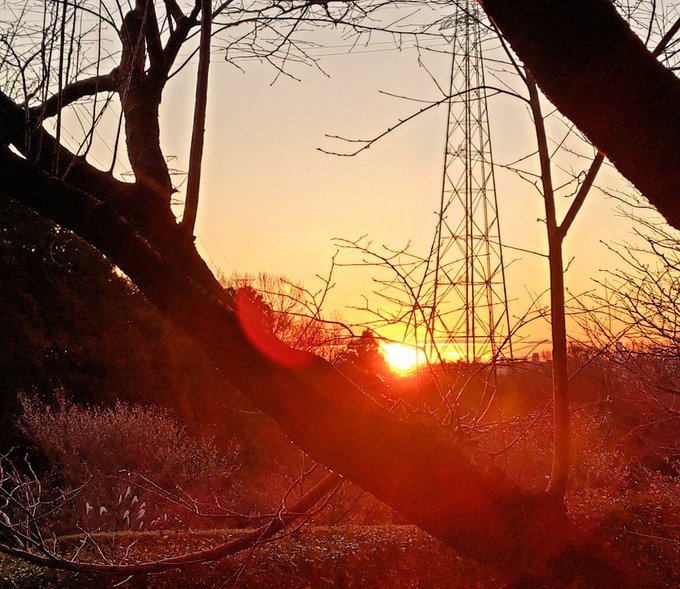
(469, 271)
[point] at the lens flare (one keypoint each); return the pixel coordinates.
(402, 358)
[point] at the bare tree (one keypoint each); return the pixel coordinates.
(617, 38)
(557, 231)
(293, 313)
(634, 318)
(412, 275)
(425, 476)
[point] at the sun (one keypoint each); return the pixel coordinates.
(401, 357)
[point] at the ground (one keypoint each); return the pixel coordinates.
(376, 557)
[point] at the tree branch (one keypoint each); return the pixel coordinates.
(153, 39)
(367, 143)
(180, 34)
(581, 195)
(174, 10)
(39, 147)
(74, 92)
(266, 531)
(134, 51)
(666, 39)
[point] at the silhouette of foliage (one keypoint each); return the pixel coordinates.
(71, 320)
(132, 466)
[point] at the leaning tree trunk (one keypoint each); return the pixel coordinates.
(589, 63)
(423, 474)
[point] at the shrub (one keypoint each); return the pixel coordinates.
(134, 466)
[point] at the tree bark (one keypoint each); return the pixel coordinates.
(559, 474)
(198, 129)
(599, 75)
(419, 471)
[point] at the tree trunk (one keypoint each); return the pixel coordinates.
(198, 128)
(140, 95)
(143, 139)
(419, 471)
(559, 475)
(599, 75)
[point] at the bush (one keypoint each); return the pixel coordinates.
(135, 467)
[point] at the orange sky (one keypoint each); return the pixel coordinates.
(271, 202)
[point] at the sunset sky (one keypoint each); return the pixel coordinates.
(272, 202)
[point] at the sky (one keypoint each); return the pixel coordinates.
(272, 202)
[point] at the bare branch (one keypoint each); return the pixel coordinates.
(581, 195)
(153, 38)
(73, 92)
(174, 10)
(367, 143)
(666, 39)
(31, 547)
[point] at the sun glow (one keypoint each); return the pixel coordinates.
(402, 358)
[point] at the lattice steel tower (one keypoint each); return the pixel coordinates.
(470, 275)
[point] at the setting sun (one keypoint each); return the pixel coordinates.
(401, 357)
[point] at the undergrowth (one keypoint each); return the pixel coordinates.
(379, 557)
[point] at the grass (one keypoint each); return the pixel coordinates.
(642, 521)
(376, 557)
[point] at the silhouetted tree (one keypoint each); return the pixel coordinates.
(364, 354)
(427, 477)
(70, 320)
(599, 74)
